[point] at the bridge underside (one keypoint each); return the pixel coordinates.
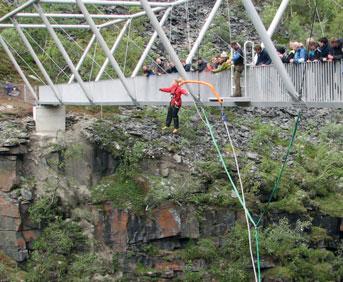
(323, 87)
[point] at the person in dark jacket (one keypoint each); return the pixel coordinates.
(202, 65)
(9, 87)
(324, 49)
(147, 71)
(263, 58)
(238, 63)
(186, 66)
(281, 51)
(175, 103)
(159, 69)
(170, 68)
(336, 49)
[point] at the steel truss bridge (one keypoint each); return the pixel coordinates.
(276, 85)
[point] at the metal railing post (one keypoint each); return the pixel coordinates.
(37, 60)
(256, 20)
(18, 68)
(150, 44)
(63, 51)
(113, 49)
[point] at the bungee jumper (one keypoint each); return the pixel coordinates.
(176, 92)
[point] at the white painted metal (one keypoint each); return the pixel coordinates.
(323, 88)
(63, 52)
(83, 57)
(113, 49)
(17, 10)
(256, 20)
(203, 31)
(107, 51)
(278, 16)
(111, 3)
(64, 26)
(73, 16)
(150, 44)
(18, 68)
(37, 60)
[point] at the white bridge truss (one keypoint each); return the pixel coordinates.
(275, 85)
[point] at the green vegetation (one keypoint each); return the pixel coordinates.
(123, 194)
(44, 210)
(291, 247)
(9, 271)
(297, 22)
(224, 263)
(59, 255)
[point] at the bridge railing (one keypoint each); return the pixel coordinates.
(319, 82)
(323, 86)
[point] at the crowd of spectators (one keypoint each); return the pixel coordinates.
(312, 51)
(162, 66)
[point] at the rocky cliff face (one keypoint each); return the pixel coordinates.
(158, 206)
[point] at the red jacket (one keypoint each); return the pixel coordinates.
(176, 91)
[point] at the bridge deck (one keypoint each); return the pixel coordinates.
(323, 87)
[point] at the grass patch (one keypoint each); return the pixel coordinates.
(203, 249)
(124, 194)
(331, 205)
(293, 203)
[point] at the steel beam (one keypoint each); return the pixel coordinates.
(163, 37)
(18, 68)
(63, 51)
(83, 57)
(17, 10)
(37, 60)
(256, 20)
(203, 31)
(110, 3)
(149, 45)
(64, 26)
(278, 16)
(113, 49)
(73, 16)
(107, 51)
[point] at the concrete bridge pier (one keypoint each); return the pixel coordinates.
(50, 120)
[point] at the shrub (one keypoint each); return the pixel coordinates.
(54, 251)
(204, 249)
(44, 210)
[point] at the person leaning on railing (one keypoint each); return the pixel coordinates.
(300, 55)
(263, 58)
(325, 50)
(336, 49)
(313, 54)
